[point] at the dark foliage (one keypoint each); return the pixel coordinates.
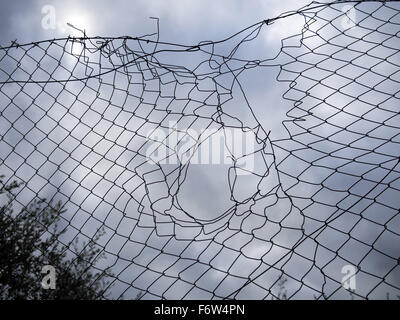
(29, 240)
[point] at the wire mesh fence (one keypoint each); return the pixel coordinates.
(200, 191)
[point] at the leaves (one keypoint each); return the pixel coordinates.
(30, 239)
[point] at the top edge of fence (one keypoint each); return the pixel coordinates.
(310, 6)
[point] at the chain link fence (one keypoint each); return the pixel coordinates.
(200, 190)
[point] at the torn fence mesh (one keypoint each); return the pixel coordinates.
(122, 131)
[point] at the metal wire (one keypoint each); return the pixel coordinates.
(74, 123)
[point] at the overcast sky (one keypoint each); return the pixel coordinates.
(323, 192)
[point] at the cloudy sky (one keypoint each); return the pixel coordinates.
(322, 191)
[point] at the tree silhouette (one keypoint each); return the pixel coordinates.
(29, 240)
